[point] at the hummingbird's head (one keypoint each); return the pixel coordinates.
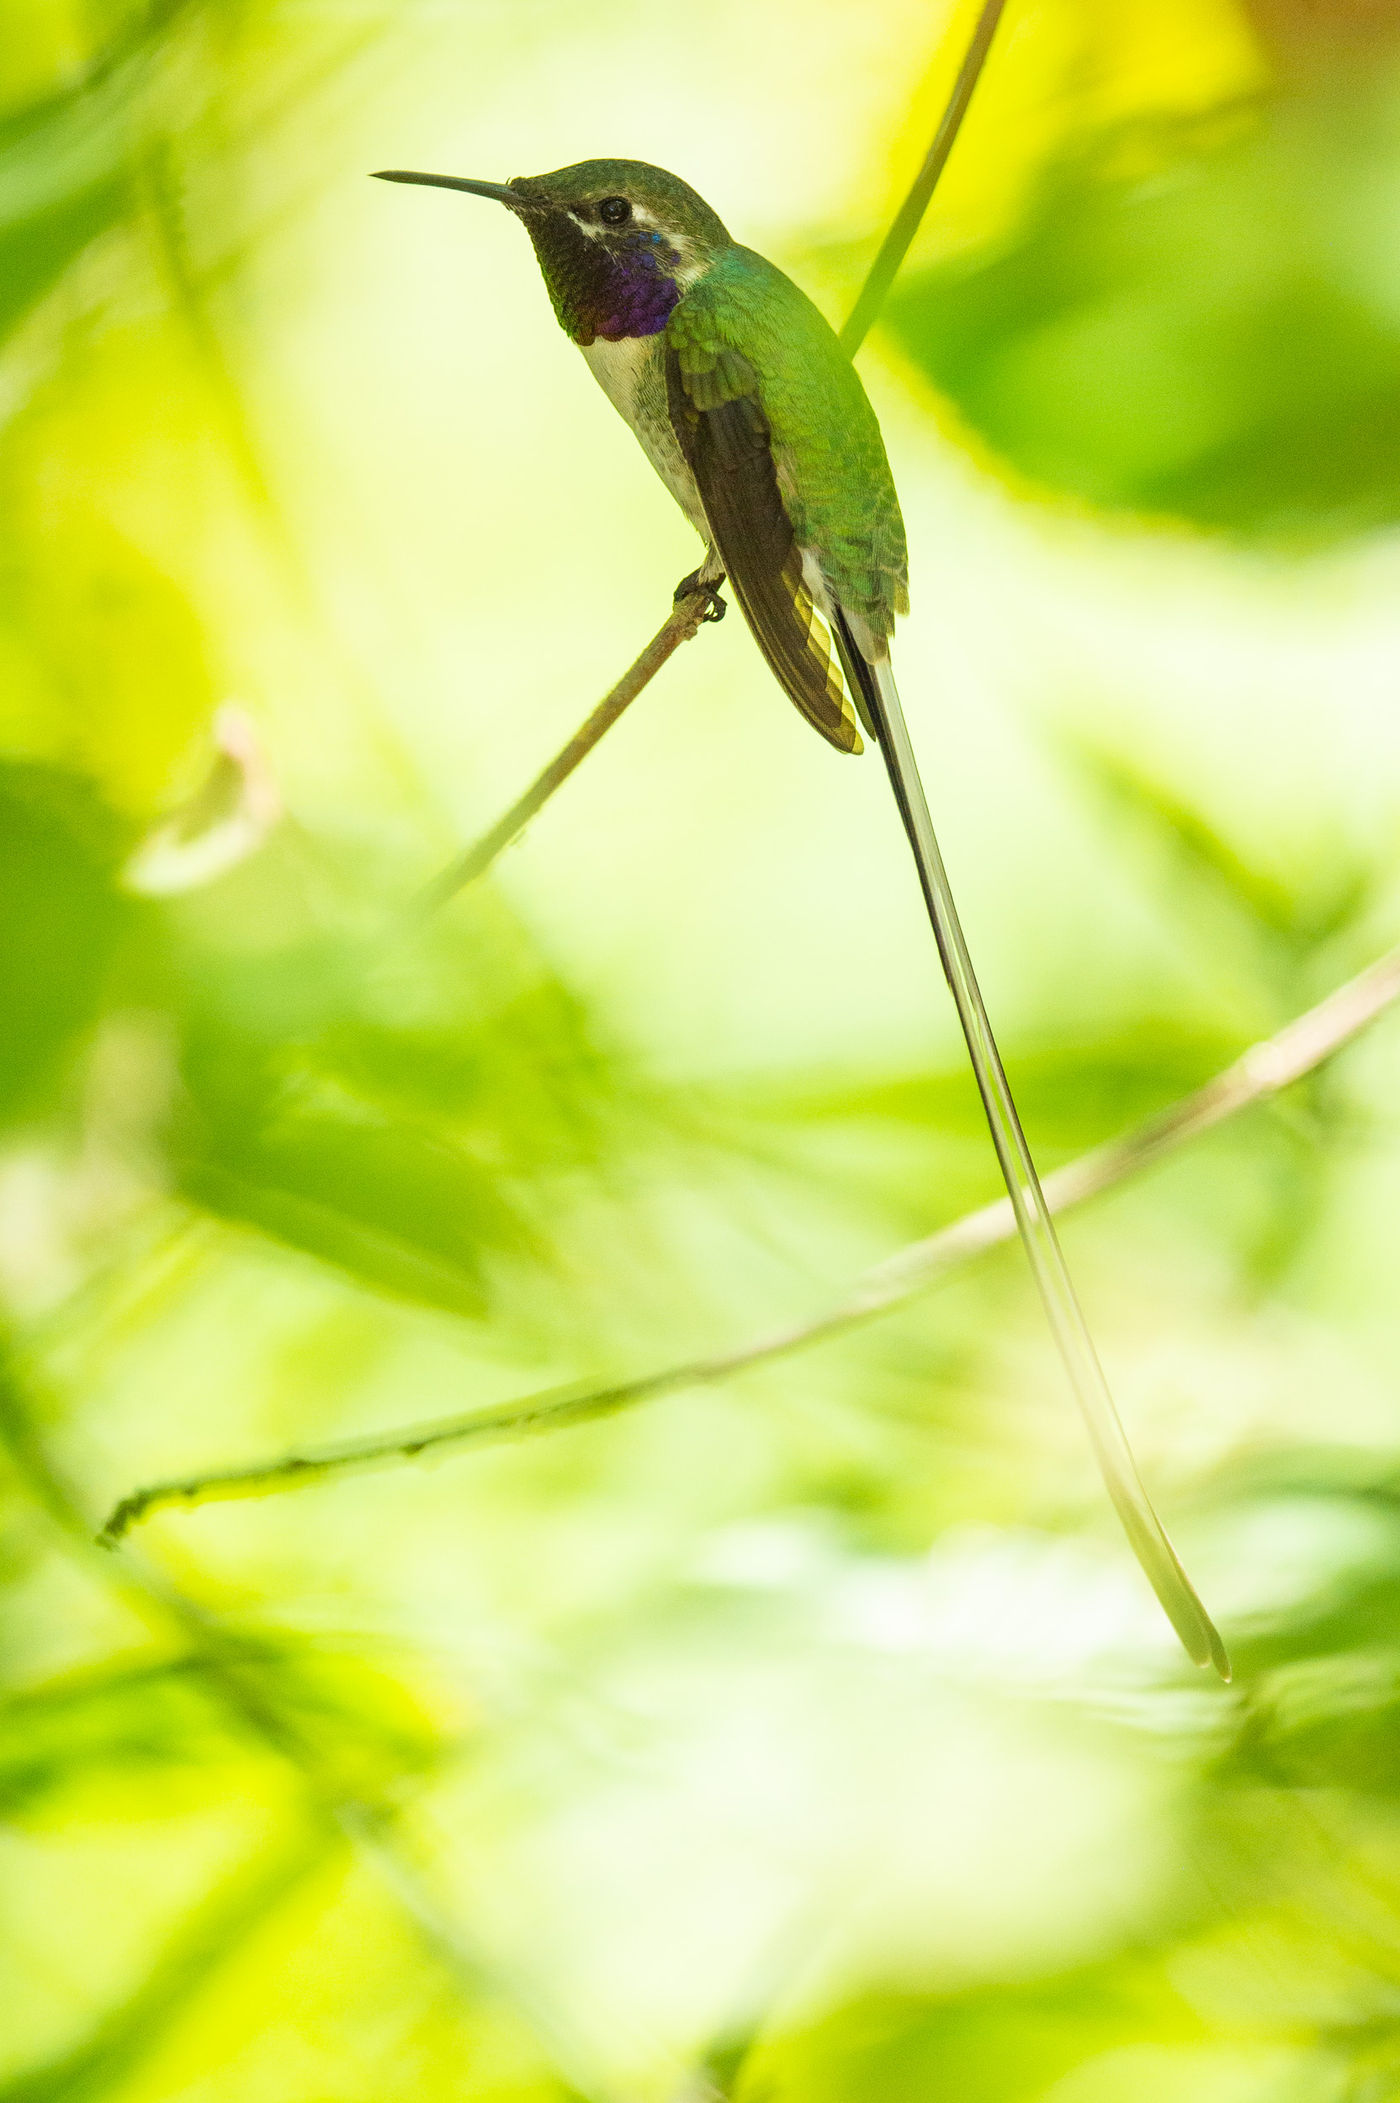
(618, 241)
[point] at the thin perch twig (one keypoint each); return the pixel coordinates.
(682, 624)
(1261, 1072)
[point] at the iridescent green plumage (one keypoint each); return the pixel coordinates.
(746, 405)
(755, 420)
(746, 329)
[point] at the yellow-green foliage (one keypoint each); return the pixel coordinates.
(809, 1737)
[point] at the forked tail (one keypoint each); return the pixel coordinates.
(875, 683)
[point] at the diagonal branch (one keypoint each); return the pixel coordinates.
(681, 625)
(684, 621)
(1265, 1069)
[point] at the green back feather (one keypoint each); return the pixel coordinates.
(745, 327)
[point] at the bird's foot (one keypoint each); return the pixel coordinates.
(698, 583)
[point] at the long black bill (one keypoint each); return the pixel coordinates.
(500, 191)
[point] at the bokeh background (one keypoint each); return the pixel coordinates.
(809, 1738)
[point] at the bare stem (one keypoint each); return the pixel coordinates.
(896, 244)
(680, 626)
(686, 618)
(1266, 1068)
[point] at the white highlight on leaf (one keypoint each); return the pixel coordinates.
(228, 818)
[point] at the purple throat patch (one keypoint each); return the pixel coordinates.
(635, 298)
(602, 289)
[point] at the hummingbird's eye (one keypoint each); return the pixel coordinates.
(614, 211)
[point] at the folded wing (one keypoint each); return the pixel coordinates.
(718, 418)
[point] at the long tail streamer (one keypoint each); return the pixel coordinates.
(1144, 1529)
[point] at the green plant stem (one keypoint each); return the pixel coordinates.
(680, 626)
(896, 244)
(1261, 1072)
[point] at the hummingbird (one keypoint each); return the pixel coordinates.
(757, 423)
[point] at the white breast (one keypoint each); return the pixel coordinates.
(632, 374)
(617, 367)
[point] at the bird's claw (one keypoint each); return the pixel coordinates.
(694, 585)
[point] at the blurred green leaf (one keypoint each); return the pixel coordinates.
(103, 660)
(1004, 2043)
(1073, 1094)
(1180, 324)
(1318, 901)
(1194, 317)
(60, 925)
(65, 158)
(1332, 1722)
(414, 1153)
(393, 1208)
(362, 1729)
(125, 1717)
(37, 249)
(197, 1950)
(406, 1109)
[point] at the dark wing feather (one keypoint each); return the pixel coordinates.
(727, 446)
